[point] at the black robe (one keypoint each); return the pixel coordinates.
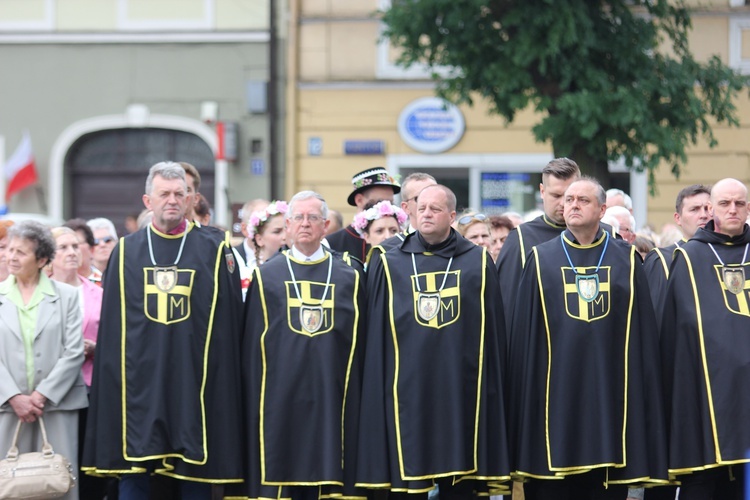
(656, 266)
(512, 258)
(706, 353)
(347, 240)
(169, 402)
(515, 251)
(584, 382)
(432, 393)
(302, 388)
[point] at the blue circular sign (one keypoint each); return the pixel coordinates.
(431, 125)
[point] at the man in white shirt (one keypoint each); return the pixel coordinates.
(301, 363)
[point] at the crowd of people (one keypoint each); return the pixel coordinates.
(411, 354)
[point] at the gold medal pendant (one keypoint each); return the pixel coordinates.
(165, 278)
(588, 286)
(734, 279)
(428, 305)
(311, 318)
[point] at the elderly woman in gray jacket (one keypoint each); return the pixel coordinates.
(41, 349)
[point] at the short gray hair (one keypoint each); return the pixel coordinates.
(616, 210)
(306, 195)
(416, 176)
(165, 170)
(37, 233)
(102, 223)
(626, 199)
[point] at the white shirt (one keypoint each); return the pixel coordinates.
(317, 255)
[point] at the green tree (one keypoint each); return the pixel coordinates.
(612, 79)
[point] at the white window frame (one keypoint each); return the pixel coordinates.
(387, 70)
(736, 26)
(47, 23)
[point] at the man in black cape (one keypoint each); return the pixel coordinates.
(165, 397)
(557, 175)
(371, 185)
(432, 392)
(691, 213)
(586, 414)
(706, 352)
(301, 364)
(411, 186)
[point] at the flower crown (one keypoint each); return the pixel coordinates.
(258, 218)
(379, 210)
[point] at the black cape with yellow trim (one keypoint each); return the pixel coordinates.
(432, 393)
(348, 240)
(515, 251)
(513, 255)
(302, 375)
(166, 391)
(584, 381)
(706, 352)
(656, 266)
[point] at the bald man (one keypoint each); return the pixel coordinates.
(706, 351)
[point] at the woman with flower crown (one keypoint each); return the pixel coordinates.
(266, 228)
(379, 221)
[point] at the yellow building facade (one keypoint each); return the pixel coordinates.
(350, 108)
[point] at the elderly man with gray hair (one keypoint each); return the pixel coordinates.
(625, 221)
(302, 346)
(165, 398)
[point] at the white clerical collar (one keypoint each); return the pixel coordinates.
(317, 255)
(410, 229)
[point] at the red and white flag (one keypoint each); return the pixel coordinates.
(20, 169)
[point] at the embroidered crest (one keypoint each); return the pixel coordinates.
(167, 293)
(734, 279)
(231, 263)
(434, 308)
(586, 292)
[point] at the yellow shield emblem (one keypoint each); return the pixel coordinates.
(734, 286)
(305, 314)
(433, 308)
(166, 294)
(586, 292)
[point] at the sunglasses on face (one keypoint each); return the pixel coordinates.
(106, 239)
(468, 218)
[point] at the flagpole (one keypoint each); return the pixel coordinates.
(3, 206)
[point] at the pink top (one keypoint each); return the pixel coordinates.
(92, 307)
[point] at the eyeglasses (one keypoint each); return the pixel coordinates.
(311, 218)
(468, 218)
(106, 239)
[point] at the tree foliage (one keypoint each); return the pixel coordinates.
(612, 79)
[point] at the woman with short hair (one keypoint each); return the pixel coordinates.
(41, 349)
